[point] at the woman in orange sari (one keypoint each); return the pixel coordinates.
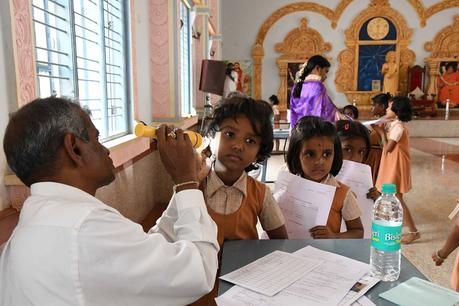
(448, 85)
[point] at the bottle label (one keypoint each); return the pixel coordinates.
(386, 238)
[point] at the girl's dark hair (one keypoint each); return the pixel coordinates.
(306, 128)
(452, 65)
(274, 99)
(258, 112)
(347, 129)
(316, 60)
(353, 109)
(401, 106)
(382, 99)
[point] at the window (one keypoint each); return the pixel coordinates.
(81, 53)
(185, 61)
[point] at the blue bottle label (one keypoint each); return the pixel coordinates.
(386, 238)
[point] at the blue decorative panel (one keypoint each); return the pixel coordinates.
(391, 35)
(371, 59)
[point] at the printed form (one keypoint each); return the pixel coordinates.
(272, 273)
(326, 284)
(358, 177)
(304, 203)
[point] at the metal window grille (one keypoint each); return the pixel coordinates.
(81, 50)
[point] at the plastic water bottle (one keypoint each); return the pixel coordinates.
(386, 233)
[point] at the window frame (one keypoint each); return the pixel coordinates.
(68, 6)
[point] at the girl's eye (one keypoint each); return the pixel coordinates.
(308, 154)
(363, 152)
(250, 141)
(347, 149)
(327, 154)
(228, 133)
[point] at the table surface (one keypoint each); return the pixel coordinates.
(238, 253)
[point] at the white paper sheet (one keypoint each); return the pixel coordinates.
(272, 273)
(304, 203)
(358, 177)
(326, 284)
(376, 121)
(358, 290)
(363, 301)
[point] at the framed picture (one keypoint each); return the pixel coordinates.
(244, 69)
(376, 85)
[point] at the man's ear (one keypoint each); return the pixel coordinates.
(72, 148)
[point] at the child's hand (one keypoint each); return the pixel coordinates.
(373, 193)
(322, 232)
(437, 259)
(379, 129)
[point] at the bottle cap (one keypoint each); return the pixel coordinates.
(388, 188)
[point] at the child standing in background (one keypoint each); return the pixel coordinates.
(351, 111)
(315, 154)
(355, 143)
(274, 105)
(395, 165)
(379, 105)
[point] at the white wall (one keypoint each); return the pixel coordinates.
(241, 20)
(7, 89)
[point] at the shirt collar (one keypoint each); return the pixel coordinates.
(330, 180)
(214, 183)
(66, 192)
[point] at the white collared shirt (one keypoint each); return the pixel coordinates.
(71, 249)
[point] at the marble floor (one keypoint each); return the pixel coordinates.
(435, 168)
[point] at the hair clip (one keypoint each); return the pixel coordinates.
(347, 127)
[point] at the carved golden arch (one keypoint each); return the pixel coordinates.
(298, 45)
(257, 48)
(425, 14)
(346, 76)
(444, 48)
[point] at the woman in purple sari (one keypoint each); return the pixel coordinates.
(309, 96)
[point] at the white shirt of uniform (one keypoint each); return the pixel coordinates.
(69, 248)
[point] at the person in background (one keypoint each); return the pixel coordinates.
(274, 105)
(315, 153)
(379, 104)
(451, 243)
(395, 165)
(309, 95)
(69, 248)
(448, 85)
(231, 80)
(351, 111)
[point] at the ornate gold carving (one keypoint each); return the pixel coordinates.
(378, 28)
(425, 14)
(346, 76)
(444, 48)
(333, 16)
(407, 58)
(298, 45)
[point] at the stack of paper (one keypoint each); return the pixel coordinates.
(330, 279)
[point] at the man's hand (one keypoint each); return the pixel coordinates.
(177, 154)
(373, 193)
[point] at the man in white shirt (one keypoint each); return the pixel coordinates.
(70, 248)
